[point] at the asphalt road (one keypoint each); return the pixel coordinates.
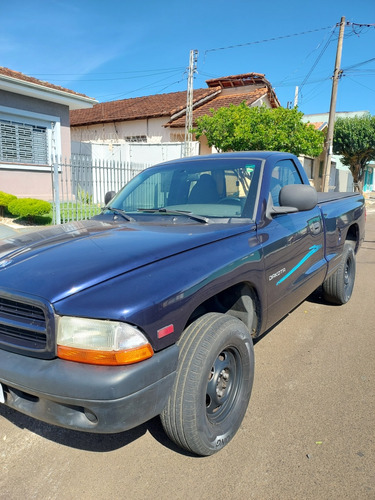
(308, 433)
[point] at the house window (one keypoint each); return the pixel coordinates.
(135, 138)
(23, 143)
(178, 137)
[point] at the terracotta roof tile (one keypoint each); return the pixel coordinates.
(20, 76)
(221, 101)
(245, 80)
(238, 80)
(173, 105)
(318, 125)
(152, 106)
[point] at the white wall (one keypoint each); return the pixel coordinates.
(133, 152)
(119, 132)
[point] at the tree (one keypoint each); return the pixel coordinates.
(354, 140)
(240, 128)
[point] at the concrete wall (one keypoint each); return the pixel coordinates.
(133, 152)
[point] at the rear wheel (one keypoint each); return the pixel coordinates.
(213, 384)
(338, 287)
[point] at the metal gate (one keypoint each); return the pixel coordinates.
(80, 184)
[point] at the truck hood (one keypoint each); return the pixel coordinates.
(63, 260)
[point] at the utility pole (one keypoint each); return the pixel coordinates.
(189, 103)
(332, 110)
(295, 104)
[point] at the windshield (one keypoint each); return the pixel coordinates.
(213, 188)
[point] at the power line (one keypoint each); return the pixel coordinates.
(172, 73)
(150, 71)
(320, 55)
(294, 83)
(170, 85)
(312, 93)
(357, 29)
(302, 64)
(325, 48)
(266, 40)
(361, 84)
(282, 37)
(122, 94)
(359, 64)
(361, 25)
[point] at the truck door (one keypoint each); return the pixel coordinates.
(293, 247)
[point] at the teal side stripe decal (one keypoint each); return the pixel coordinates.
(313, 250)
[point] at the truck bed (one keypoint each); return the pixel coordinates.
(333, 195)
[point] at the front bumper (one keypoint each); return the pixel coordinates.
(86, 397)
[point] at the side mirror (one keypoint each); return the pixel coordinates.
(108, 196)
(300, 196)
(296, 198)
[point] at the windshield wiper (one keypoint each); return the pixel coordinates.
(198, 218)
(120, 211)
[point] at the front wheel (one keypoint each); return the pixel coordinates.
(213, 384)
(338, 287)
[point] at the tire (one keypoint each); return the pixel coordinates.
(338, 287)
(213, 384)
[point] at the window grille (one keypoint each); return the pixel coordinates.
(178, 137)
(23, 143)
(135, 138)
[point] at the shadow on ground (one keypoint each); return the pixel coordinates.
(89, 441)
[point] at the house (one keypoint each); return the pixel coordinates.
(160, 119)
(34, 127)
(341, 178)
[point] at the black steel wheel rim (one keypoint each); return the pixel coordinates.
(224, 382)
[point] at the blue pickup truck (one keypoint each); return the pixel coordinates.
(151, 307)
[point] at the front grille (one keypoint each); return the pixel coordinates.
(26, 326)
(18, 309)
(22, 338)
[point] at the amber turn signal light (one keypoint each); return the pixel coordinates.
(109, 358)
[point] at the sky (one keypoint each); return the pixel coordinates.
(117, 49)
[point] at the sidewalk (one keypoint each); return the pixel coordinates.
(6, 232)
(12, 231)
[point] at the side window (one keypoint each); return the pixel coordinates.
(284, 173)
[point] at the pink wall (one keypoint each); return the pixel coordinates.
(26, 184)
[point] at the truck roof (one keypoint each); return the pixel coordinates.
(260, 155)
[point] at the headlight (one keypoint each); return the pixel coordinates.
(100, 342)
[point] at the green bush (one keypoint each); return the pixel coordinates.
(5, 199)
(29, 207)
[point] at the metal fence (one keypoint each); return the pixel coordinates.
(80, 184)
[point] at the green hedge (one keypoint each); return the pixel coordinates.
(5, 199)
(29, 207)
